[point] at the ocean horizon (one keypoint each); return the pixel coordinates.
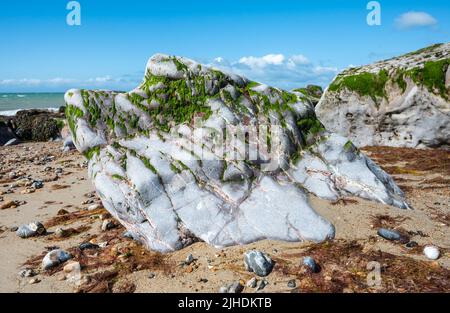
(10, 103)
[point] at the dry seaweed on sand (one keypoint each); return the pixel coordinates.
(345, 269)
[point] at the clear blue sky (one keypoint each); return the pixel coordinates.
(40, 52)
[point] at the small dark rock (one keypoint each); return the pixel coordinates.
(88, 245)
(412, 244)
(311, 264)
(292, 283)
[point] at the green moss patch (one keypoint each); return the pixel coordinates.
(365, 84)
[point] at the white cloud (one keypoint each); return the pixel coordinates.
(261, 62)
(415, 19)
(278, 70)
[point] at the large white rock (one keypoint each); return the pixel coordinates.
(197, 165)
(401, 102)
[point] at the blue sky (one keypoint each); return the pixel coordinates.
(282, 43)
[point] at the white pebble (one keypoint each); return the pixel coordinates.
(431, 252)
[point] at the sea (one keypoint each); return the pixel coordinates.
(10, 103)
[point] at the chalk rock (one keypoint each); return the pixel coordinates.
(258, 262)
(400, 102)
(30, 230)
(161, 167)
(54, 258)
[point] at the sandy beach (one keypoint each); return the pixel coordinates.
(67, 200)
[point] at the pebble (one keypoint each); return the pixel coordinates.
(151, 275)
(258, 262)
(311, 264)
(389, 234)
(88, 245)
(431, 252)
(411, 244)
(34, 281)
(60, 233)
(37, 184)
(62, 212)
(54, 258)
(94, 207)
(72, 267)
(103, 244)
(203, 280)
(107, 225)
(291, 283)
(262, 284)
(252, 283)
(235, 287)
(8, 204)
(27, 273)
(189, 259)
(30, 230)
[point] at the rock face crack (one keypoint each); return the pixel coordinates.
(160, 170)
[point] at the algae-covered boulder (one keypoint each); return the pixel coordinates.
(35, 125)
(401, 102)
(194, 153)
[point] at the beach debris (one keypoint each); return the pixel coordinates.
(31, 230)
(252, 283)
(311, 264)
(292, 283)
(54, 258)
(389, 234)
(431, 252)
(258, 262)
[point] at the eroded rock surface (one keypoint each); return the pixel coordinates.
(194, 153)
(401, 102)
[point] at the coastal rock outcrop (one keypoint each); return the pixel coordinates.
(195, 153)
(35, 125)
(401, 102)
